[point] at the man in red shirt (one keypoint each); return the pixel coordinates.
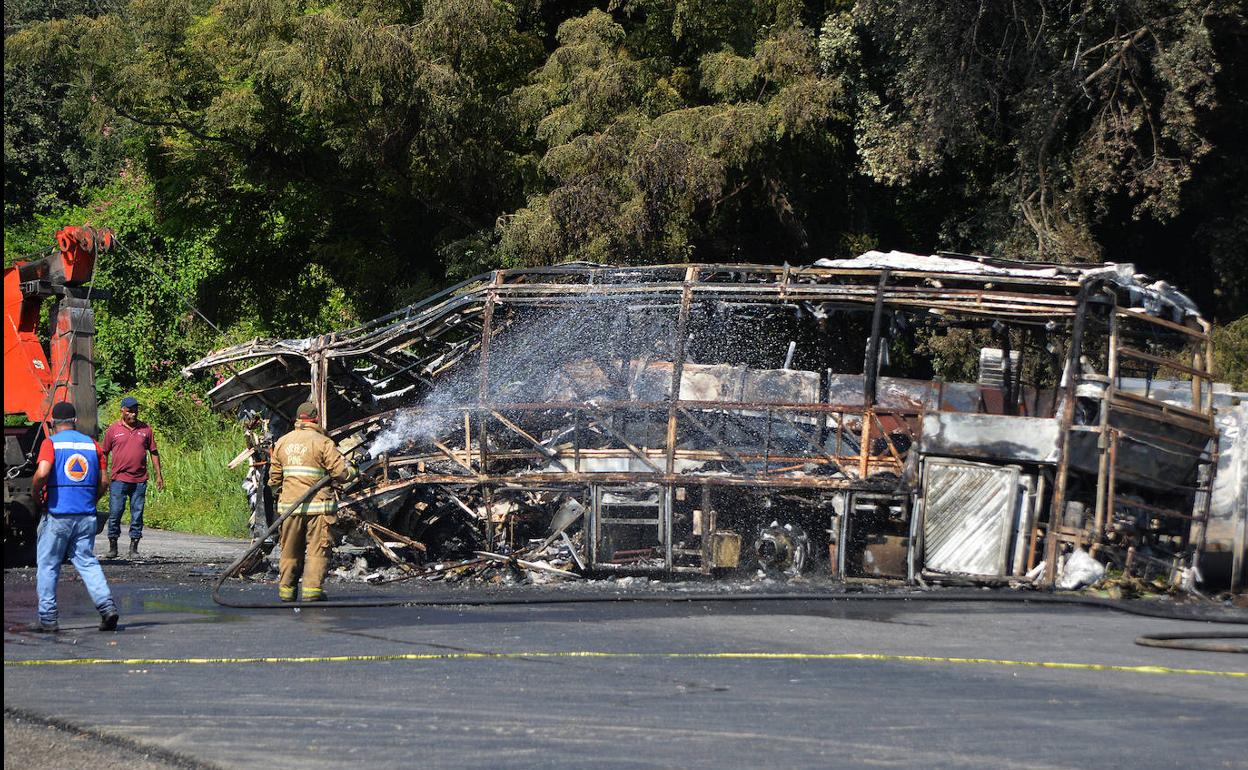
(127, 443)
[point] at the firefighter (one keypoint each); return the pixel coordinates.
(71, 469)
(300, 458)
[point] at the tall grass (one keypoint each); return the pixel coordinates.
(200, 495)
(1230, 352)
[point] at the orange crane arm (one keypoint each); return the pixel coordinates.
(33, 379)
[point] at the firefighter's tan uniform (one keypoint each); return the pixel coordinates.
(300, 458)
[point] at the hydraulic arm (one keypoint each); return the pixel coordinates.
(35, 379)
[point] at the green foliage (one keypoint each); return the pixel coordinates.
(1230, 353)
(366, 150)
(177, 409)
(49, 155)
(146, 330)
(143, 331)
(648, 158)
(1061, 131)
(1077, 105)
(200, 495)
(348, 143)
(954, 352)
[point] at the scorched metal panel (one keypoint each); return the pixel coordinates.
(967, 514)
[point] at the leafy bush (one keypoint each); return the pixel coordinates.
(1230, 353)
(160, 278)
(144, 331)
(177, 409)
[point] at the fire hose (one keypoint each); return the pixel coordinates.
(1181, 641)
(1197, 641)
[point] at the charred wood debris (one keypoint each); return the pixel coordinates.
(549, 424)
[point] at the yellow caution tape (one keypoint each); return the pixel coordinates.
(809, 656)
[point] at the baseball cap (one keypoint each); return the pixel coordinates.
(129, 402)
(307, 411)
(63, 411)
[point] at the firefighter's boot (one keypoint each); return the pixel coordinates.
(112, 548)
(286, 593)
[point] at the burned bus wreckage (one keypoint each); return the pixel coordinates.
(704, 418)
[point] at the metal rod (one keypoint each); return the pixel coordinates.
(483, 391)
(1169, 513)
(864, 444)
(1035, 521)
(678, 365)
(1239, 518)
(1070, 377)
(1168, 363)
(767, 445)
(450, 453)
(871, 365)
(1102, 440)
(547, 451)
(888, 440)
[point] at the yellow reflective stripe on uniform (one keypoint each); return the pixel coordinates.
(316, 506)
(309, 471)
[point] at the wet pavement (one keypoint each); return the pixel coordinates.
(703, 684)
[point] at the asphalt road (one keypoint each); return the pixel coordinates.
(748, 684)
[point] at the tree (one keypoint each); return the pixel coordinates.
(1049, 129)
(49, 159)
(356, 154)
(671, 144)
(355, 140)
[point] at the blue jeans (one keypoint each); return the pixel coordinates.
(72, 536)
(118, 492)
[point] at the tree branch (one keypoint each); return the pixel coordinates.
(154, 123)
(1117, 56)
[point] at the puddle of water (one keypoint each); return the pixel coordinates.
(211, 614)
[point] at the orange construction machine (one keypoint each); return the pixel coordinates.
(35, 379)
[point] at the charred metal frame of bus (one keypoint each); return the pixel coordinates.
(683, 453)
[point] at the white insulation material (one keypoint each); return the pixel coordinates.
(1156, 297)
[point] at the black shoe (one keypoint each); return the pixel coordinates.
(108, 620)
(112, 548)
(134, 548)
(40, 627)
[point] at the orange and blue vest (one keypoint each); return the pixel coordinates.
(75, 474)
